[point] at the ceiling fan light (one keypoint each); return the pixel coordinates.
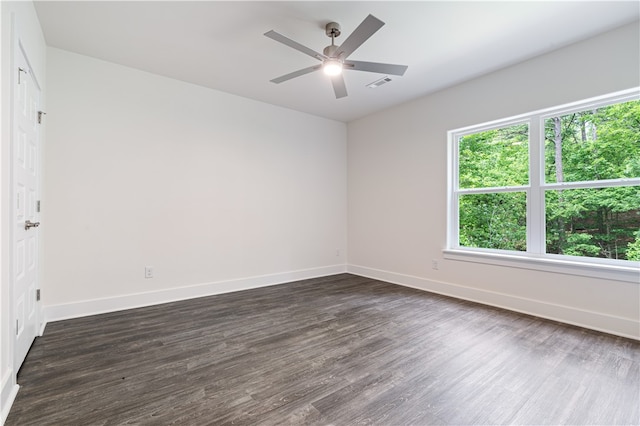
(332, 67)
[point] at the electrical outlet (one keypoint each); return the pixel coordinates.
(434, 264)
(148, 271)
(337, 253)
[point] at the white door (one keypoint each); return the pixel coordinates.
(25, 163)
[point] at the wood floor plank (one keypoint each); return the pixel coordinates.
(336, 350)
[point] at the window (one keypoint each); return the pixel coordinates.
(558, 188)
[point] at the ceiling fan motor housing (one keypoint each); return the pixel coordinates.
(330, 51)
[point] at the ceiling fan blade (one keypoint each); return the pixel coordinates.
(366, 29)
(296, 74)
(339, 88)
(295, 45)
(376, 67)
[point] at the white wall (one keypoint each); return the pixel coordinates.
(18, 24)
(216, 192)
(398, 178)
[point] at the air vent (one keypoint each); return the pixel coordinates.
(379, 83)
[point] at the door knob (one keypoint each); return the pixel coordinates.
(28, 224)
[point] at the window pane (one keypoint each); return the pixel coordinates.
(493, 158)
(495, 221)
(594, 222)
(602, 143)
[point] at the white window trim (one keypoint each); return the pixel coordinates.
(535, 258)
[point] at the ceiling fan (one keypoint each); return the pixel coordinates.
(334, 58)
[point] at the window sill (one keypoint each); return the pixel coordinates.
(559, 265)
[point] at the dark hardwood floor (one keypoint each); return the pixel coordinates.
(339, 350)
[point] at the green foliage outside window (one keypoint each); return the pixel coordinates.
(599, 144)
(594, 145)
(495, 221)
(494, 158)
(498, 157)
(586, 146)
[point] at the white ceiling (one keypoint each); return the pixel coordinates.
(221, 45)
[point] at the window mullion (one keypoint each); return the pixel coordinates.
(535, 196)
(453, 196)
(493, 190)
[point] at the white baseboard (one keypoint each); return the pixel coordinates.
(625, 327)
(9, 391)
(130, 301)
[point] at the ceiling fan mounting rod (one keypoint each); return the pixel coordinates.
(332, 29)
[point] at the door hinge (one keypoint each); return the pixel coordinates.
(40, 114)
(19, 71)
(37, 295)
(38, 206)
(17, 327)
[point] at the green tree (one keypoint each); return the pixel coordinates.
(494, 158)
(594, 145)
(633, 249)
(584, 146)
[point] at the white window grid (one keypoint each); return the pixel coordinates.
(536, 188)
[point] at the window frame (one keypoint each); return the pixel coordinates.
(535, 257)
